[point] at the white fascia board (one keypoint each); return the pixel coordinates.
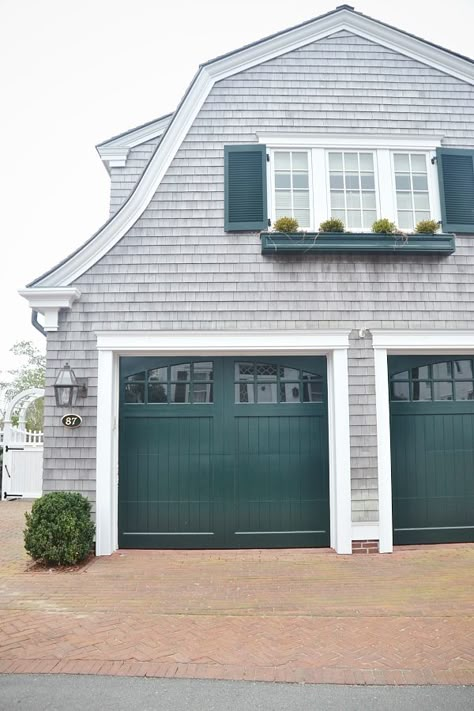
(423, 341)
(223, 342)
(352, 141)
(50, 301)
(219, 69)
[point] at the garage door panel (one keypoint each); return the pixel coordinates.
(432, 455)
(224, 474)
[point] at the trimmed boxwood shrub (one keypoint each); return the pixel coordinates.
(59, 530)
(286, 224)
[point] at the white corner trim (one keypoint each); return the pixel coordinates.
(423, 341)
(352, 141)
(223, 342)
(113, 344)
(384, 464)
(50, 301)
(222, 68)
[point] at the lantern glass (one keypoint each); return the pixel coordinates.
(66, 387)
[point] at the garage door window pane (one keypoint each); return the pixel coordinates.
(267, 392)
(180, 372)
(202, 393)
(157, 392)
(421, 391)
(400, 391)
(290, 392)
(313, 391)
(464, 391)
(442, 391)
(463, 369)
(135, 393)
(244, 393)
(203, 371)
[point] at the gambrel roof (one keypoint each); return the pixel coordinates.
(174, 127)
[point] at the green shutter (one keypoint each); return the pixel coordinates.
(245, 186)
(456, 181)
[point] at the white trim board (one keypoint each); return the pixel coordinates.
(294, 38)
(114, 152)
(112, 345)
(50, 301)
(402, 342)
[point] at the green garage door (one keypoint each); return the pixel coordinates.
(432, 439)
(223, 453)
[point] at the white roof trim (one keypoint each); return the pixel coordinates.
(114, 152)
(78, 263)
(49, 302)
(353, 140)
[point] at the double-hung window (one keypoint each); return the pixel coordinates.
(291, 186)
(352, 196)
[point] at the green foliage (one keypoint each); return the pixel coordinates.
(30, 374)
(59, 530)
(334, 224)
(286, 224)
(426, 227)
(384, 226)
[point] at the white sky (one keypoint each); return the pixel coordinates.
(76, 73)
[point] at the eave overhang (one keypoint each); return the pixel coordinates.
(50, 301)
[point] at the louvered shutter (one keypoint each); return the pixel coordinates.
(245, 188)
(456, 182)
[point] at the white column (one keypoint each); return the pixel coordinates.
(339, 459)
(105, 474)
(383, 450)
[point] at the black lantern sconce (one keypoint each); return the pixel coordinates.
(68, 388)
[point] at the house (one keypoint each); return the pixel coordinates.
(247, 388)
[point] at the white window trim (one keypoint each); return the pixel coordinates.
(113, 344)
(402, 342)
(382, 147)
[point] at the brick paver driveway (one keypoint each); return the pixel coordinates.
(302, 615)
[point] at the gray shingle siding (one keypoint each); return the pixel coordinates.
(177, 269)
(123, 180)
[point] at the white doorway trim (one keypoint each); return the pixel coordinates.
(113, 344)
(402, 342)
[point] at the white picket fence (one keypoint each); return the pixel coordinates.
(22, 468)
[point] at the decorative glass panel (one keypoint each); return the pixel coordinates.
(352, 184)
(244, 393)
(411, 183)
(290, 392)
(291, 175)
(135, 393)
(288, 373)
(266, 370)
(442, 381)
(244, 371)
(266, 392)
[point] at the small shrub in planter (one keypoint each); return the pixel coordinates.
(59, 530)
(425, 227)
(384, 226)
(286, 224)
(332, 225)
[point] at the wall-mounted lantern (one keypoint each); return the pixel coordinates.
(68, 388)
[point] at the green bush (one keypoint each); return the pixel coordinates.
(59, 530)
(424, 227)
(384, 226)
(332, 225)
(286, 224)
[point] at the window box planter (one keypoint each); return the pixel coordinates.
(275, 242)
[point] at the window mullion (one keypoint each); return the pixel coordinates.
(320, 186)
(386, 197)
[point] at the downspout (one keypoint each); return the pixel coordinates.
(36, 323)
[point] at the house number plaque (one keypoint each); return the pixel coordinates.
(71, 421)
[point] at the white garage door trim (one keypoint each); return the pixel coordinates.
(113, 344)
(402, 342)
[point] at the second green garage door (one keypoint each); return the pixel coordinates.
(223, 453)
(432, 439)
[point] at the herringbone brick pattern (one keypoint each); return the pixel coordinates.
(299, 615)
